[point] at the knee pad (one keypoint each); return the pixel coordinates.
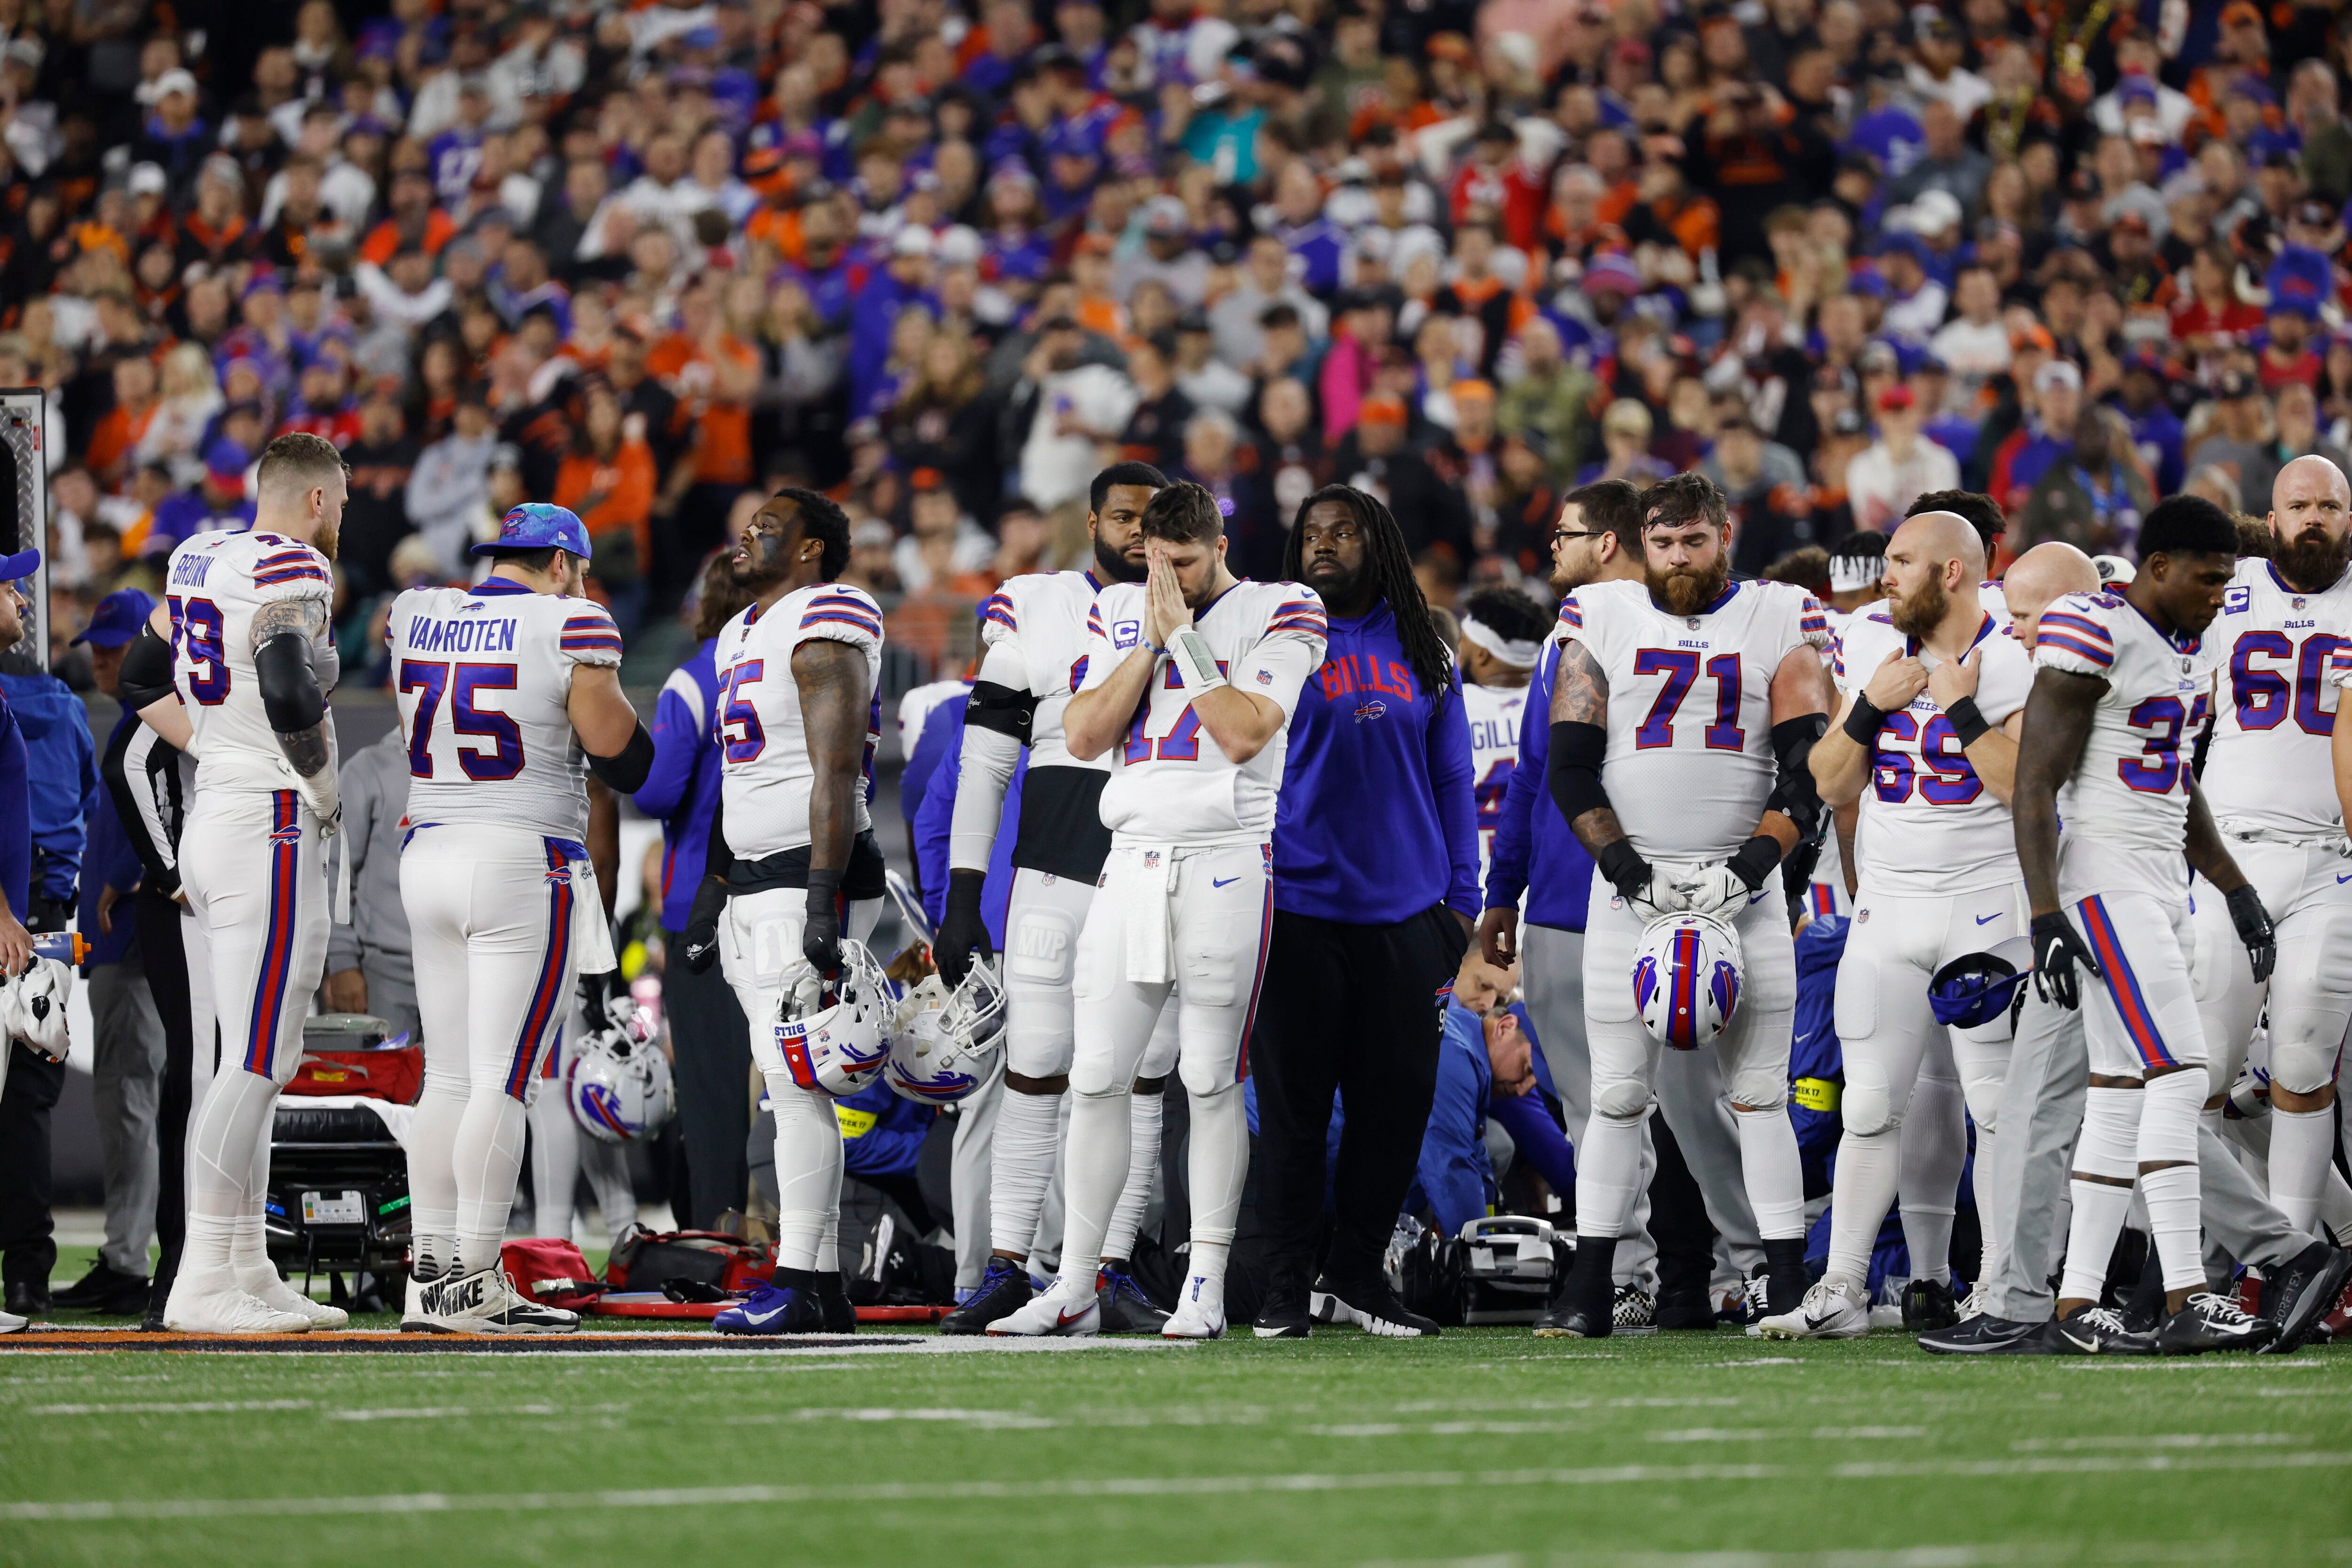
(1204, 1073)
(2304, 1065)
(1041, 949)
(1759, 1092)
(2167, 1117)
(2109, 1146)
(1038, 1037)
(1094, 1073)
(1160, 1055)
(1621, 1100)
(1868, 1110)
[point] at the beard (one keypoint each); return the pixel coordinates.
(1115, 567)
(1921, 611)
(1687, 592)
(329, 535)
(2313, 561)
(1567, 580)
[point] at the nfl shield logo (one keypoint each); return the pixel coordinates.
(1152, 859)
(1692, 622)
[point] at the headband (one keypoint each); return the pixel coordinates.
(1520, 655)
(1852, 574)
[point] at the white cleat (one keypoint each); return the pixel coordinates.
(275, 1292)
(1054, 1313)
(1831, 1309)
(485, 1302)
(1979, 1303)
(223, 1309)
(10, 1323)
(1201, 1315)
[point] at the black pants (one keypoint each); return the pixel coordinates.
(1355, 1008)
(1678, 1222)
(166, 959)
(29, 1251)
(713, 1072)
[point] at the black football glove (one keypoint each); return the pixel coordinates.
(1627, 872)
(702, 925)
(962, 933)
(821, 937)
(2057, 948)
(2254, 929)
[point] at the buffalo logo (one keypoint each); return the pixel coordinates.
(289, 834)
(1724, 984)
(1372, 708)
(1646, 980)
(602, 1106)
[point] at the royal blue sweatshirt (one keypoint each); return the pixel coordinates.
(1377, 820)
(1535, 853)
(60, 776)
(109, 861)
(682, 788)
(941, 751)
(16, 816)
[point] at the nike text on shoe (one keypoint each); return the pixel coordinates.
(1201, 1313)
(485, 1302)
(2301, 1293)
(1927, 1304)
(1126, 1310)
(2099, 1331)
(1054, 1313)
(2211, 1322)
(1374, 1308)
(772, 1309)
(1003, 1291)
(1985, 1334)
(1284, 1317)
(1831, 1309)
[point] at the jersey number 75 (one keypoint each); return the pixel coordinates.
(461, 683)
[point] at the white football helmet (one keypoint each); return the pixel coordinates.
(619, 1085)
(1687, 978)
(836, 1041)
(941, 1042)
(33, 1007)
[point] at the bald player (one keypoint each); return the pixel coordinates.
(2040, 1113)
(1926, 741)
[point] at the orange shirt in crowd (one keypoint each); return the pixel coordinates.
(722, 456)
(113, 441)
(612, 495)
(384, 240)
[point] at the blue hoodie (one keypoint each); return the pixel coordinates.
(682, 788)
(939, 755)
(109, 862)
(1377, 819)
(61, 774)
(1534, 852)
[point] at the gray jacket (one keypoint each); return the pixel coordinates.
(375, 799)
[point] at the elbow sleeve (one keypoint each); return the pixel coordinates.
(146, 671)
(1573, 772)
(290, 686)
(1794, 795)
(626, 773)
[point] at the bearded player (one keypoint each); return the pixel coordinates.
(236, 665)
(1926, 742)
(2120, 681)
(1191, 680)
(509, 696)
(1684, 709)
(793, 864)
(1034, 628)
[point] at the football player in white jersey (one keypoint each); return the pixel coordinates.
(1502, 632)
(1034, 628)
(794, 867)
(1934, 699)
(510, 693)
(1857, 569)
(2120, 688)
(2275, 707)
(1191, 680)
(234, 667)
(1683, 710)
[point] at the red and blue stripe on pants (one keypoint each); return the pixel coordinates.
(2139, 1019)
(278, 940)
(546, 1009)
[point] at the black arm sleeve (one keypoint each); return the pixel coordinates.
(1573, 773)
(718, 859)
(1001, 709)
(1794, 795)
(289, 687)
(116, 771)
(146, 671)
(627, 774)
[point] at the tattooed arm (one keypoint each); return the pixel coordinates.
(1580, 701)
(834, 704)
(283, 631)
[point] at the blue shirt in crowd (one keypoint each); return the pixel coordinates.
(1535, 853)
(682, 788)
(1377, 821)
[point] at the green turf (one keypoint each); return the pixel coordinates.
(1487, 1444)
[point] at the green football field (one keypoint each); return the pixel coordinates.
(1487, 1445)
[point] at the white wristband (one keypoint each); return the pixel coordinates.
(1193, 660)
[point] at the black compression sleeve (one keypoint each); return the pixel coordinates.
(1001, 709)
(626, 772)
(289, 687)
(718, 859)
(146, 671)
(1794, 795)
(1573, 774)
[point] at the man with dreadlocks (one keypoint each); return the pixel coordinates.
(1376, 886)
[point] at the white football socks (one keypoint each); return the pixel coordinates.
(2168, 1136)
(486, 1159)
(808, 1173)
(1094, 1174)
(1867, 1180)
(1021, 1166)
(2109, 1149)
(554, 1163)
(1934, 1150)
(1775, 1176)
(432, 1175)
(1608, 1172)
(1145, 1117)
(2303, 1146)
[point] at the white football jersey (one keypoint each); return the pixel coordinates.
(214, 585)
(1929, 827)
(1494, 713)
(2274, 706)
(1993, 600)
(765, 773)
(1690, 763)
(483, 676)
(1034, 628)
(1169, 784)
(2131, 790)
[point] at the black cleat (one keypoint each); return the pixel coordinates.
(2301, 1293)
(104, 1288)
(1583, 1310)
(2099, 1331)
(1928, 1306)
(1985, 1334)
(2211, 1322)
(1786, 1278)
(1003, 1291)
(26, 1299)
(1372, 1307)
(833, 1300)
(1284, 1317)
(1126, 1310)
(1683, 1310)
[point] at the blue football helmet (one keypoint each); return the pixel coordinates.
(1978, 987)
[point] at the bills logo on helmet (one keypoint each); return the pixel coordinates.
(602, 1107)
(1687, 980)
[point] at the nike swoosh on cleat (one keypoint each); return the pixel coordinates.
(1226, 883)
(1064, 1319)
(767, 1317)
(2341, 880)
(1987, 919)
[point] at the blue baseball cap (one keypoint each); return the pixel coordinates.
(118, 618)
(536, 525)
(23, 564)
